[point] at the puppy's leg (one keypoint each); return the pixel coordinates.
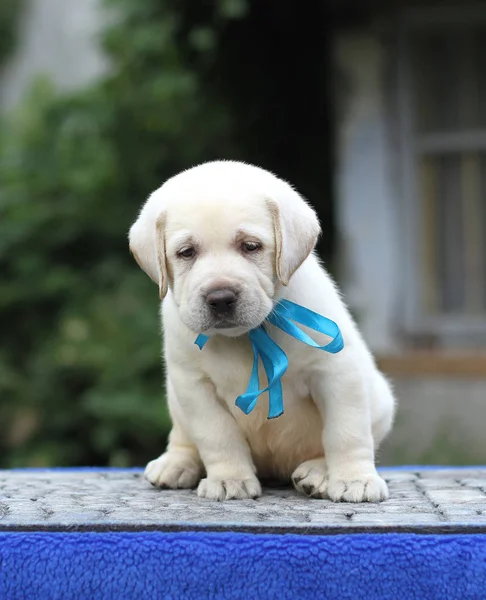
(310, 478)
(383, 404)
(342, 397)
(224, 451)
(180, 466)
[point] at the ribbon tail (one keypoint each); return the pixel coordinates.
(247, 401)
(275, 392)
(275, 363)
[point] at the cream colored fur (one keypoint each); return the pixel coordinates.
(338, 408)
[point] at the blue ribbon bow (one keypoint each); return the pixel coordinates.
(274, 359)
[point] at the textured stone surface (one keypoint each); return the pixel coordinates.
(423, 500)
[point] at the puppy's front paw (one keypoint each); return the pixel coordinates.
(174, 471)
(309, 478)
(367, 488)
(229, 489)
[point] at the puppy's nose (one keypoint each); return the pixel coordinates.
(221, 301)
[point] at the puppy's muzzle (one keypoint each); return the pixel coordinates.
(222, 302)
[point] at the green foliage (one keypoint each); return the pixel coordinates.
(80, 371)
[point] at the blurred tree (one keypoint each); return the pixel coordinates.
(80, 374)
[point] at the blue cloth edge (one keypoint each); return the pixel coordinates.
(236, 565)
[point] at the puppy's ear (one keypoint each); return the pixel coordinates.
(161, 255)
(296, 229)
(147, 243)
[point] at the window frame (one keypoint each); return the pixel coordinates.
(415, 321)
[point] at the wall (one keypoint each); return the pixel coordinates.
(440, 421)
(367, 201)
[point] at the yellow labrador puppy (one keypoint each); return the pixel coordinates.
(225, 241)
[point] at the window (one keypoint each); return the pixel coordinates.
(442, 95)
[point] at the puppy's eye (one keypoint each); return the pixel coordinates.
(251, 247)
(189, 252)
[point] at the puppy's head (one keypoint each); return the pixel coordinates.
(222, 236)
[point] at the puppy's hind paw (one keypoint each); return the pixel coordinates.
(309, 478)
(174, 471)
